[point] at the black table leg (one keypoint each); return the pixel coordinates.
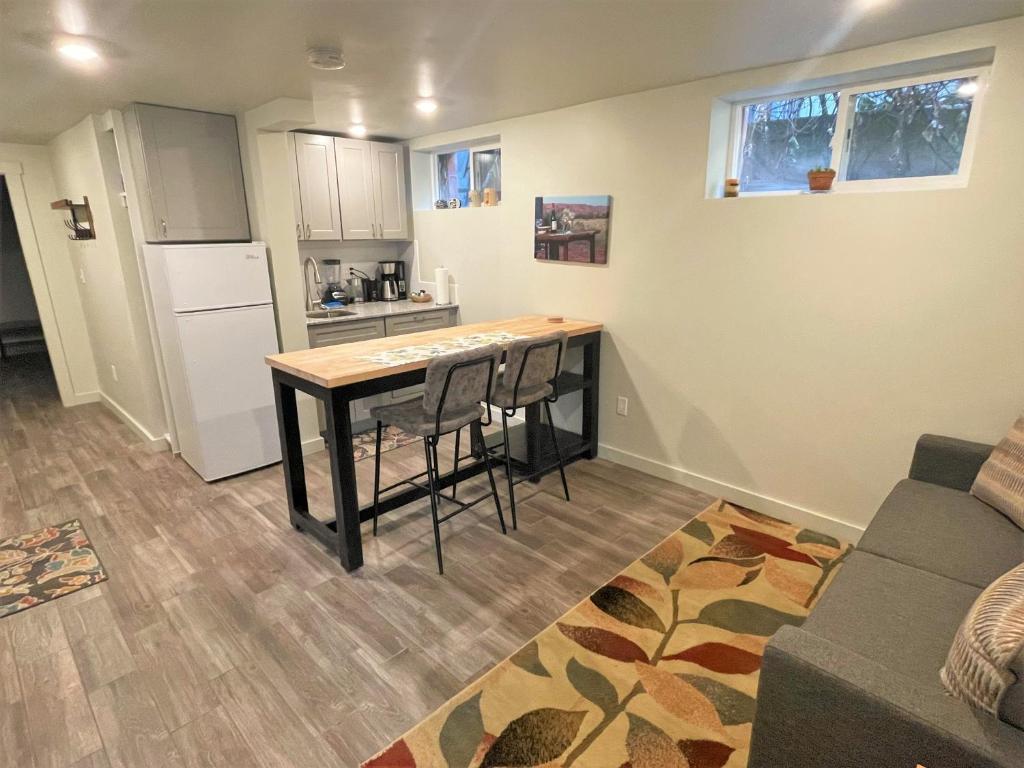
(534, 436)
(291, 451)
(591, 372)
(343, 479)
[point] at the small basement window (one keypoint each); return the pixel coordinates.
(462, 170)
(913, 133)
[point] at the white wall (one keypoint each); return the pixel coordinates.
(44, 240)
(111, 292)
(16, 302)
(782, 351)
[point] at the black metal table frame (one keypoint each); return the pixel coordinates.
(343, 533)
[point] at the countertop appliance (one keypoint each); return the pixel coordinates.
(395, 271)
(215, 321)
(334, 291)
(388, 288)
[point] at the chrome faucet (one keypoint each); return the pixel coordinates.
(310, 301)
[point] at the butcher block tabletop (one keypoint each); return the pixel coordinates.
(347, 363)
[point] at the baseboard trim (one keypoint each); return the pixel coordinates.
(793, 513)
(313, 445)
(152, 442)
(81, 398)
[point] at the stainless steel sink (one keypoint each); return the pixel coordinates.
(324, 314)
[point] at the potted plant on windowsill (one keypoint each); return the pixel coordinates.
(820, 179)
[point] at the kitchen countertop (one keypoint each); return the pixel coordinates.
(374, 309)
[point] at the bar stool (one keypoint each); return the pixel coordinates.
(454, 388)
(530, 376)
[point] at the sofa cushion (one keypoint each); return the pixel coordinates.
(897, 616)
(1000, 481)
(945, 531)
(985, 661)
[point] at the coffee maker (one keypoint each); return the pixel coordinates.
(392, 281)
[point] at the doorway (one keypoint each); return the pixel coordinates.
(21, 332)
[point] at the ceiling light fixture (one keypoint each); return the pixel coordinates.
(968, 89)
(358, 130)
(426, 106)
(78, 51)
(325, 57)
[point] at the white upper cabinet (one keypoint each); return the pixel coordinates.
(318, 187)
(356, 189)
(189, 173)
(389, 190)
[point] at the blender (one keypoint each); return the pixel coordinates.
(334, 293)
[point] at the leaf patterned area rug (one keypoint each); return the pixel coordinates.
(364, 444)
(656, 669)
(46, 564)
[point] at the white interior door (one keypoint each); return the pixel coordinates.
(389, 190)
(318, 186)
(355, 189)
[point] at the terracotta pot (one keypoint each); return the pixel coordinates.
(820, 181)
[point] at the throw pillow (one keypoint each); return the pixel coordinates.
(1000, 483)
(985, 666)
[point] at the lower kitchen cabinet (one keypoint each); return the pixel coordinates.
(346, 331)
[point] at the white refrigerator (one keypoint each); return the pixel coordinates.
(215, 319)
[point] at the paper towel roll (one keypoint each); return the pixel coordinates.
(441, 294)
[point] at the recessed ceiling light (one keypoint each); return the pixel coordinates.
(325, 57)
(426, 106)
(358, 130)
(78, 51)
(968, 89)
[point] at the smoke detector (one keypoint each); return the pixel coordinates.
(325, 57)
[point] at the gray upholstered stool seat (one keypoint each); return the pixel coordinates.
(413, 418)
(530, 376)
(504, 395)
(454, 387)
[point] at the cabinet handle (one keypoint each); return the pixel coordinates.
(307, 231)
(163, 226)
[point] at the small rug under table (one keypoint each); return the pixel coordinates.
(364, 444)
(46, 564)
(658, 668)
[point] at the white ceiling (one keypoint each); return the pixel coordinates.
(482, 59)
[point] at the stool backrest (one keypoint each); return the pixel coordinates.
(532, 362)
(460, 380)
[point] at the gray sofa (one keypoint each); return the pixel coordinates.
(857, 685)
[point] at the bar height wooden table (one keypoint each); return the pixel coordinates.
(342, 373)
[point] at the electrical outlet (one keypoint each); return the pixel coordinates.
(113, 372)
(622, 406)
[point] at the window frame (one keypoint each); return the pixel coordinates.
(842, 137)
(451, 149)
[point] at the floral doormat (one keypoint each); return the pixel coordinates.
(364, 444)
(46, 564)
(658, 668)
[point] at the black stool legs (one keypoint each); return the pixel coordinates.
(558, 451)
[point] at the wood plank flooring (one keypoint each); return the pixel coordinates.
(225, 638)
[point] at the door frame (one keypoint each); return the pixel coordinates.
(12, 172)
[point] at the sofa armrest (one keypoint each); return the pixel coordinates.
(821, 704)
(948, 461)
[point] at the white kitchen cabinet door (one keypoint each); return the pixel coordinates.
(355, 189)
(318, 186)
(389, 190)
(190, 174)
